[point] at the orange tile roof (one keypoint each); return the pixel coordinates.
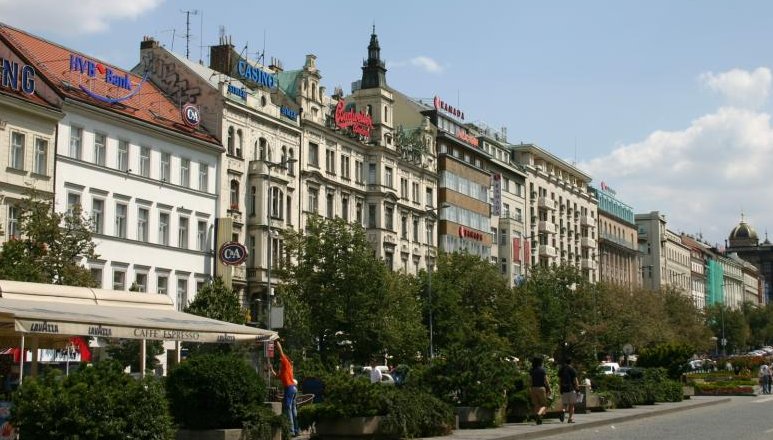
(52, 62)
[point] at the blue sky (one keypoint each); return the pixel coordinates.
(667, 102)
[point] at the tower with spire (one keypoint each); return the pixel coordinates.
(374, 96)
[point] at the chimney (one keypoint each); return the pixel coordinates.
(148, 43)
(222, 58)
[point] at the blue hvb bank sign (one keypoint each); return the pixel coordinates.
(95, 69)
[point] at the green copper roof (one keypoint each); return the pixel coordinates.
(288, 82)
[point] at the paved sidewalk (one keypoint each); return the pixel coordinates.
(583, 421)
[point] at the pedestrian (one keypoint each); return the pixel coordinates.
(770, 378)
(290, 385)
(540, 389)
(569, 387)
(375, 373)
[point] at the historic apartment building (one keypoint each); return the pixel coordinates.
(130, 160)
(664, 259)
(28, 122)
(617, 239)
(243, 105)
(744, 241)
(562, 216)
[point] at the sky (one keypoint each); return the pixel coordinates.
(667, 102)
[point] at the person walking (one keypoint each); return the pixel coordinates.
(770, 378)
(569, 386)
(290, 385)
(763, 375)
(540, 389)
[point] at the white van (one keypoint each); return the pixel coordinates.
(609, 367)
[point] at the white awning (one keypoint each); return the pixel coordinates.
(52, 312)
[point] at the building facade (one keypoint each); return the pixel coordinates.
(743, 240)
(618, 251)
(28, 122)
(563, 212)
(142, 173)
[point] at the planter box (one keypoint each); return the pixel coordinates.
(351, 427)
(212, 434)
(688, 391)
(476, 417)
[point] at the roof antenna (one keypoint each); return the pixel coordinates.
(201, 39)
(575, 151)
(188, 34)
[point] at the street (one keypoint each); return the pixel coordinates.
(744, 418)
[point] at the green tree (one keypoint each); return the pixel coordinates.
(217, 301)
(721, 319)
(341, 301)
(51, 247)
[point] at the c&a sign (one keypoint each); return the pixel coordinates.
(360, 123)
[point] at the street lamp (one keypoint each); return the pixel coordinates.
(430, 268)
(270, 165)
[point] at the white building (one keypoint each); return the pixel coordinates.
(127, 157)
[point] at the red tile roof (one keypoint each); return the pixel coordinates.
(52, 62)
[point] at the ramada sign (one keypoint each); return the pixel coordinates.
(360, 123)
(469, 233)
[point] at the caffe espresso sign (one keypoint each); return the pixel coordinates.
(359, 122)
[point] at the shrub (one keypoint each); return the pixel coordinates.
(653, 385)
(673, 357)
(214, 392)
(98, 402)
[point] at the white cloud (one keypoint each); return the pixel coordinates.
(422, 62)
(71, 17)
(740, 87)
(701, 177)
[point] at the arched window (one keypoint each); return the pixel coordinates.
(230, 141)
(277, 203)
(262, 148)
(291, 163)
(235, 194)
(255, 151)
(239, 144)
(369, 110)
(284, 156)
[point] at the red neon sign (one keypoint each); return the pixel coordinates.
(468, 233)
(472, 140)
(360, 123)
(441, 105)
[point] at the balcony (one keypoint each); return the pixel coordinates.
(240, 273)
(586, 220)
(547, 227)
(546, 203)
(547, 251)
(587, 263)
(588, 242)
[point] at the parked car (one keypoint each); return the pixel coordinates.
(609, 367)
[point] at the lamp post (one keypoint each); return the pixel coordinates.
(269, 200)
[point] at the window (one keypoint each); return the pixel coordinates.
(313, 154)
(120, 220)
(277, 203)
(239, 143)
(123, 156)
(96, 275)
(371, 215)
(14, 214)
(345, 167)
(253, 200)
(203, 177)
(145, 162)
(119, 279)
(263, 146)
(403, 188)
(234, 195)
(166, 160)
(100, 148)
(41, 156)
(142, 224)
(358, 212)
(141, 282)
(429, 200)
(185, 173)
(182, 236)
(162, 283)
(201, 236)
(163, 228)
(430, 233)
(330, 161)
(98, 215)
(182, 293)
(230, 141)
(289, 216)
(330, 204)
(358, 170)
(345, 208)
(73, 203)
(389, 218)
(415, 229)
(404, 227)
(17, 151)
(415, 192)
(76, 140)
(291, 163)
(371, 173)
(313, 200)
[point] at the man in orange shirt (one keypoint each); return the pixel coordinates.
(289, 383)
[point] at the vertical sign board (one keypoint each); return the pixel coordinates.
(496, 202)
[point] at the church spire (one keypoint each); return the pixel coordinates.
(373, 69)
